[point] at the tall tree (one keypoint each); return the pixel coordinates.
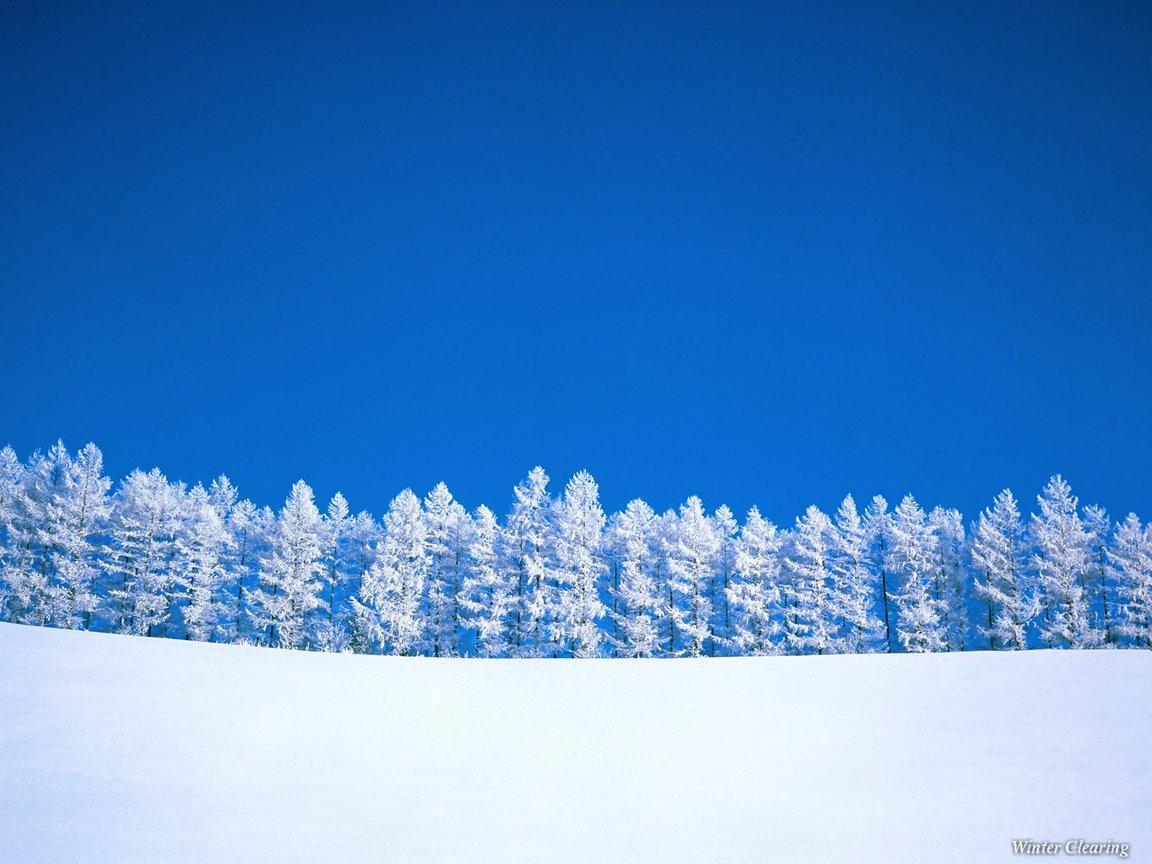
(951, 574)
(1061, 563)
(579, 525)
(810, 606)
(145, 518)
(754, 590)
(487, 597)
(727, 528)
(1130, 566)
(446, 540)
(876, 524)
(528, 552)
(1098, 526)
(692, 556)
(637, 592)
(999, 558)
(855, 581)
(291, 572)
(387, 609)
(199, 567)
(911, 558)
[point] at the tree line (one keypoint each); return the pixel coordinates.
(557, 577)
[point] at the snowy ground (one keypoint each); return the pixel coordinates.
(122, 749)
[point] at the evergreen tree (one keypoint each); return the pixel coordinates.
(638, 591)
(578, 530)
(446, 540)
(727, 528)
(876, 523)
(951, 575)
(999, 559)
(387, 608)
(144, 521)
(754, 590)
(1061, 563)
(1098, 526)
(1130, 569)
(809, 620)
(528, 552)
(199, 567)
(291, 571)
(855, 582)
(486, 596)
(911, 559)
(329, 629)
(692, 552)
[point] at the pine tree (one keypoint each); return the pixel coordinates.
(1098, 526)
(1061, 564)
(639, 611)
(486, 596)
(809, 619)
(911, 559)
(387, 609)
(998, 557)
(1130, 569)
(291, 571)
(250, 531)
(199, 567)
(329, 630)
(446, 540)
(951, 574)
(727, 528)
(855, 582)
(692, 552)
(528, 552)
(876, 523)
(754, 590)
(143, 525)
(578, 530)
(13, 554)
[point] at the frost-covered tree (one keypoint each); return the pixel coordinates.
(528, 552)
(951, 573)
(911, 558)
(250, 531)
(999, 558)
(1061, 559)
(291, 572)
(854, 580)
(727, 528)
(578, 530)
(144, 522)
(387, 608)
(1098, 526)
(692, 551)
(810, 606)
(754, 590)
(876, 522)
(199, 567)
(487, 597)
(1130, 569)
(637, 591)
(446, 540)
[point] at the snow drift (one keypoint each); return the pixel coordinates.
(124, 749)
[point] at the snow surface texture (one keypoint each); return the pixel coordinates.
(122, 749)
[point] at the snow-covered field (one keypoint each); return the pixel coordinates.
(123, 749)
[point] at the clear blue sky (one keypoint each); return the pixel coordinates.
(764, 252)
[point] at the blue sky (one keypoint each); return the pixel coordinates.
(766, 253)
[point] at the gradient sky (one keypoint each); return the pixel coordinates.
(763, 252)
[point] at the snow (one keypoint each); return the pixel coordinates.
(125, 749)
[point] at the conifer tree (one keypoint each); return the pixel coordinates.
(998, 557)
(692, 552)
(855, 581)
(528, 552)
(639, 609)
(754, 591)
(199, 567)
(876, 523)
(291, 571)
(579, 525)
(911, 559)
(387, 609)
(1061, 563)
(446, 540)
(486, 596)
(1130, 569)
(810, 606)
